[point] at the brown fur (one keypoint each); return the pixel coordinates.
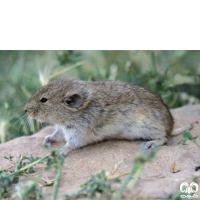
(108, 110)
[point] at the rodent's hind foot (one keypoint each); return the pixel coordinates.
(48, 139)
(147, 145)
(153, 143)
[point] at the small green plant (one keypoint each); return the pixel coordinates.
(28, 190)
(7, 180)
(6, 184)
(24, 165)
(188, 136)
(57, 162)
(97, 186)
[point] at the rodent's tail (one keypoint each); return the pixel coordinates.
(183, 129)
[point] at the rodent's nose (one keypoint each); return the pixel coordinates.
(29, 109)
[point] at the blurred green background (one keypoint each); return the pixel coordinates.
(173, 75)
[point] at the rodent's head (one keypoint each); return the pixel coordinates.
(58, 101)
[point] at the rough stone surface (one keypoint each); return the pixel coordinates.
(156, 179)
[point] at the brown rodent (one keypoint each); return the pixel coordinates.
(88, 112)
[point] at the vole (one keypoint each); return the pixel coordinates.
(88, 112)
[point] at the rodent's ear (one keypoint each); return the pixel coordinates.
(74, 101)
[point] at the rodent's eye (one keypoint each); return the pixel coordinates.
(43, 100)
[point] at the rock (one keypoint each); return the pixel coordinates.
(156, 179)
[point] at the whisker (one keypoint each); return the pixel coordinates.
(26, 125)
(25, 129)
(21, 120)
(31, 123)
(28, 122)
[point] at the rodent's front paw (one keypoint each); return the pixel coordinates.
(48, 139)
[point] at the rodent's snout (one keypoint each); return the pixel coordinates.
(30, 110)
(25, 108)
